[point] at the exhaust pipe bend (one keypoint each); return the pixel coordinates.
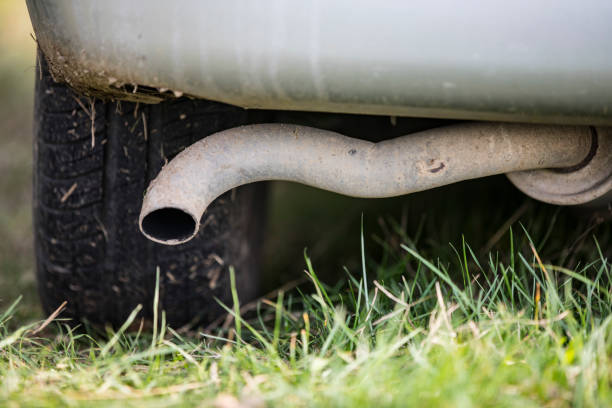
(177, 198)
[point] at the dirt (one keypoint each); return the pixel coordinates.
(79, 72)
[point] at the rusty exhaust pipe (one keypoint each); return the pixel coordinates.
(177, 198)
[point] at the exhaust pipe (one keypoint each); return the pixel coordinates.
(177, 198)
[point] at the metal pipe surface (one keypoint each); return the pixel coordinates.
(177, 198)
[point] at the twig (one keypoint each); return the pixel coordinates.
(82, 105)
(92, 102)
(391, 296)
(92, 116)
(51, 317)
(69, 192)
(144, 126)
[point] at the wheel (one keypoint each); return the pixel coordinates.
(87, 195)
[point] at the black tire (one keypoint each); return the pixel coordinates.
(89, 249)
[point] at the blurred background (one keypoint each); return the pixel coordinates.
(17, 70)
(299, 217)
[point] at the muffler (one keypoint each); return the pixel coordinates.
(177, 198)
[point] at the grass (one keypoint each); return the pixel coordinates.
(501, 328)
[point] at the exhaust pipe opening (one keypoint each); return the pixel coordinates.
(169, 226)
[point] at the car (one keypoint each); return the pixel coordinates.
(156, 120)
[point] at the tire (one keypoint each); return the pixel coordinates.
(89, 249)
